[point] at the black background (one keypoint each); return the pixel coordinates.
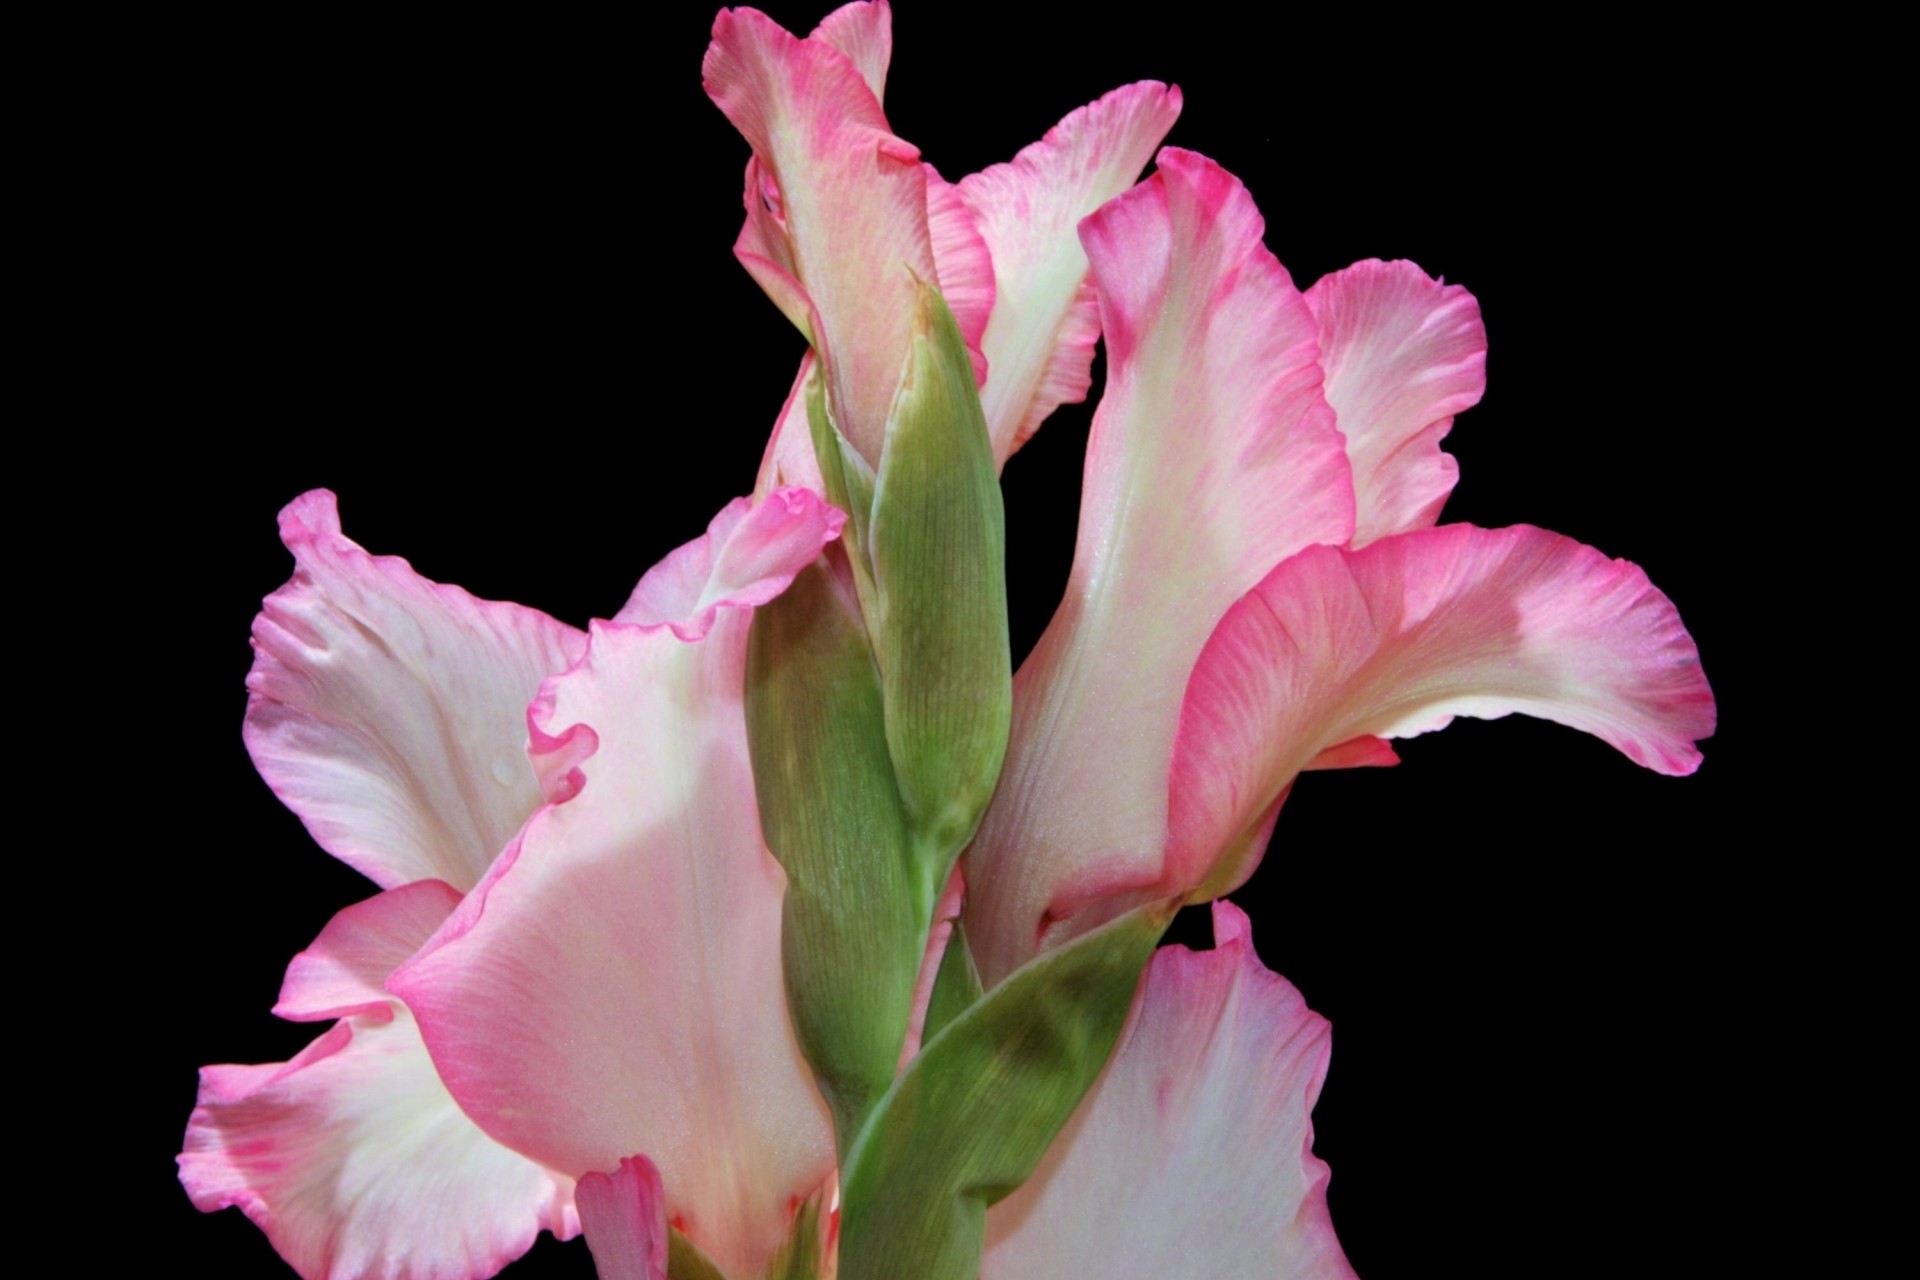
(479, 282)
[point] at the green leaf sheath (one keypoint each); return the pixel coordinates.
(686, 1262)
(852, 934)
(800, 1257)
(939, 622)
(955, 987)
(969, 1119)
(849, 482)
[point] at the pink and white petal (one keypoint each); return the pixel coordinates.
(966, 282)
(387, 710)
(965, 267)
(1039, 340)
(1363, 752)
(763, 249)
(615, 984)
(789, 458)
(624, 1217)
(1193, 1153)
(847, 201)
(1401, 636)
(749, 555)
(345, 971)
(358, 1165)
(1403, 353)
(864, 33)
(1213, 457)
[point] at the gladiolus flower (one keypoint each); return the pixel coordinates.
(391, 712)
(591, 992)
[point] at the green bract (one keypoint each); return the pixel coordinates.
(927, 538)
(852, 931)
(971, 1116)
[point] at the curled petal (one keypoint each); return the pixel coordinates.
(1363, 752)
(624, 1216)
(345, 971)
(765, 251)
(1403, 353)
(387, 710)
(359, 1166)
(1398, 638)
(1193, 1153)
(837, 207)
(1039, 339)
(864, 33)
(1213, 457)
(353, 1158)
(749, 555)
(615, 984)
